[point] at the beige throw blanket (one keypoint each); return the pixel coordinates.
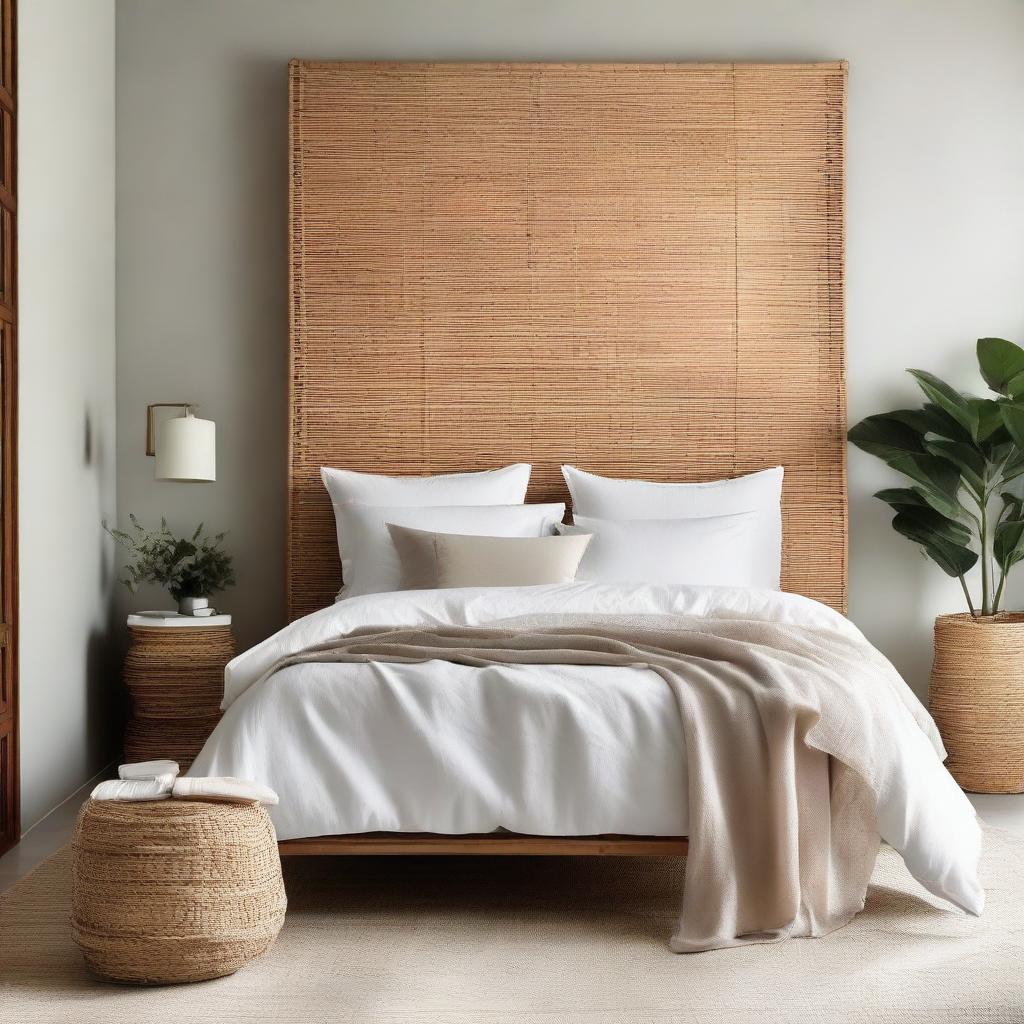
(785, 731)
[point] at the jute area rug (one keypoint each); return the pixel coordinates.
(468, 939)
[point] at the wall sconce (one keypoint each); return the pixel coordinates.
(187, 448)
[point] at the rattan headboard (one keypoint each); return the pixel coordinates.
(635, 268)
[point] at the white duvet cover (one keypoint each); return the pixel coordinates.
(436, 747)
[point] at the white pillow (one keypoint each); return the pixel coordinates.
(711, 550)
(492, 487)
(761, 492)
(370, 562)
(506, 486)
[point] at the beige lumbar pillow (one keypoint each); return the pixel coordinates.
(443, 560)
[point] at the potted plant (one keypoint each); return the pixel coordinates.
(191, 568)
(963, 456)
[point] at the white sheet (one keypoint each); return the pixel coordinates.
(572, 751)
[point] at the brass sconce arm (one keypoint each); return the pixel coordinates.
(151, 420)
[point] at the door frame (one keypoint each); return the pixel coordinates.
(10, 788)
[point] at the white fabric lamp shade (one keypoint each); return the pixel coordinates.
(186, 449)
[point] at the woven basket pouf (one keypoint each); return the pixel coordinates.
(175, 890)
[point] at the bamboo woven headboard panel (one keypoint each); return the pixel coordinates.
(634, 268)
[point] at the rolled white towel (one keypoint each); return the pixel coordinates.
(223, 789)
(134, 789)
(142, 770)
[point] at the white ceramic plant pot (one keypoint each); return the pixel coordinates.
(190, 605)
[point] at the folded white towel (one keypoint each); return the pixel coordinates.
(140, 770)
(134, 789)
(223, 790)
(165, 781)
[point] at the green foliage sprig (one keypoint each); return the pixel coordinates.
(188, 567)
(960, 454)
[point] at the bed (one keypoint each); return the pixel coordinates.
(676, 313)
(632, 268)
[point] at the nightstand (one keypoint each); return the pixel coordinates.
(174, 674)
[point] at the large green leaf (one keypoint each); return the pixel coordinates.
(938, 479)
(1001, 362)
(945, 425)
(999, 454)
(948, 399)
(1016, 386)
(952, 558)
(998, 441)
(926, 517)
(1008, 546)
(931, 420)
(971, 463)
(901, 496)
(885, 436)
(1011, 462)
(990, 419)
(1013, 419)
(1013, 503)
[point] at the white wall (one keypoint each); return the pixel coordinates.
(935, 214)
(66, 393)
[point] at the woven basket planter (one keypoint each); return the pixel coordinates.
(174, 891)
(977, 700)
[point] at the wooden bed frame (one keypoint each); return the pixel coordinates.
(501, 843)
(635, 268)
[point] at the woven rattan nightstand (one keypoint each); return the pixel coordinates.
(174, 673)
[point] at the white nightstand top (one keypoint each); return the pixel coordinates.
(175, 620)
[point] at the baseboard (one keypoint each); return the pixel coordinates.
(78, 795)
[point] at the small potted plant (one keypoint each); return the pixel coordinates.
(963, 457)
(191, 568)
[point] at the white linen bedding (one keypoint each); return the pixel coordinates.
(543, 749)
(452, 749)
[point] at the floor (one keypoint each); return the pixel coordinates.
(546, 940)
(50, 834)
(44, 838)
(1002, 811)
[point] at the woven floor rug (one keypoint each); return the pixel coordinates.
(475, 939)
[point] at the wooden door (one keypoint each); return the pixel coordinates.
(9, 789)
